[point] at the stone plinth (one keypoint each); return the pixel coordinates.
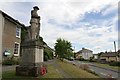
(31, 58)
(27, 71)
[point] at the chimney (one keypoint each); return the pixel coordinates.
(83, 48)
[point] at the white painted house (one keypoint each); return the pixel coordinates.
(85, 53)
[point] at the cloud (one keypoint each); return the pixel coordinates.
(65, 19)
(69, 11)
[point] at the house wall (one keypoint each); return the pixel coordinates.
(9, 37)
(86, 54)
(109, 58)
(118, 59)
(112, 59)
(1, 33)
(77, 56)
(95, 56)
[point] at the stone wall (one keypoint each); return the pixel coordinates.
(1, 33)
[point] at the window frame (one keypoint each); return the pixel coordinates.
(18, 50)
(19, 32)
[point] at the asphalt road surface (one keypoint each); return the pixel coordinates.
(101, 71)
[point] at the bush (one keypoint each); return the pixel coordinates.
(45, 58)
(10, 62)
(81, 59)
(92, 61)
(16, 61)
(114, 63)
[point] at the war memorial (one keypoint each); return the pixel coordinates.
(31, 61)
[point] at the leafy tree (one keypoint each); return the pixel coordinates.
(63, 49)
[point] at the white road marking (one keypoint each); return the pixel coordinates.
(103, 74)
(106, 75)
(113, 77)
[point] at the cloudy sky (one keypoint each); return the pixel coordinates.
(92, 24)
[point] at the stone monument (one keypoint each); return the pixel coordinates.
(31, 48)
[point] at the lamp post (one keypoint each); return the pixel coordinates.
(74, 51)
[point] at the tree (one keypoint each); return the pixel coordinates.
(63, 48)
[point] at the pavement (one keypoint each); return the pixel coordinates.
(8, 68)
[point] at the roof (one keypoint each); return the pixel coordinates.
(11, 19)
(109, 54)
(83, 49)
(50, 48)
(95, 54)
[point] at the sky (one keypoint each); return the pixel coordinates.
(92, 24)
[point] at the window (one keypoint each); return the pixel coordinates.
(16, 48)
(18, 31)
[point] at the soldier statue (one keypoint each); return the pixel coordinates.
(35, 24)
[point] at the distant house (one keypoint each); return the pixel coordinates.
(10, 34)
(110, 56)
(84, 53)
(95, 56)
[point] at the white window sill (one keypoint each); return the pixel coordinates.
(16, 54)
(18, 37)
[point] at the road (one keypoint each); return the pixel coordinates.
(101, 71)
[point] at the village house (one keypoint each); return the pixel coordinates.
(110, 56)
(10, 34)
(84, 53)
(95, 56)
(52, 50)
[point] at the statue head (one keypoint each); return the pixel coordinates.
(35, 8)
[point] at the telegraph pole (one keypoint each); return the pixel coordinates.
(115, 46)
(115, 50)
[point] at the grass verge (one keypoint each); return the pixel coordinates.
(74, 71)
(52, 73)
(104, 65)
